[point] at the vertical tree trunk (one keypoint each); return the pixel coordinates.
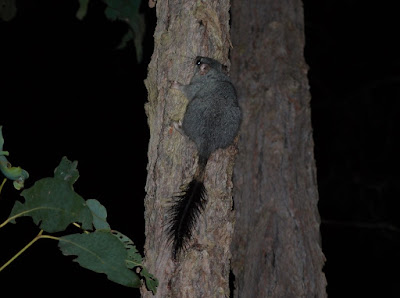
(276, 247)
(184, 30)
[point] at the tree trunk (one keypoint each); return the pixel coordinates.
(184, 30)
(276, 246)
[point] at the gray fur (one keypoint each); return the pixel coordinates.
(213, 115)
(211, 121)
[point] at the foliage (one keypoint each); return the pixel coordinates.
(53, 205)
(16, 174)
(100, 252)
(8, 10)
(126, 11)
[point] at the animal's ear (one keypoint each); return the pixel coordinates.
(204, 68)
(224, 69)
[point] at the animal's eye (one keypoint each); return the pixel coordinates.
(198, 61)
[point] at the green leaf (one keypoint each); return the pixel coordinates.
(67, 171)
(111, 13)
(128, 11)
(8, 10)
(52, 202)
(100, 252)
(150, 280)
(99, 214)
(137, 25)
(134, 259)
(16, 174)
(82, 10)
(128, 36)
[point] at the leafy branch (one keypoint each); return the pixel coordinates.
(16, 174)
(53, 205)
(126, 11)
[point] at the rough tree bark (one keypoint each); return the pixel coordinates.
(276, 247)
(184, 30)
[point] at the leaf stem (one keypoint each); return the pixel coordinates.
(39, 236)
(50, 237)
(78, 226)
(2, 184)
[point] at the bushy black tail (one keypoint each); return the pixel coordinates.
(186, 210)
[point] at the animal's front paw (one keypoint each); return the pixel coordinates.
(178, 126)
(175, 85)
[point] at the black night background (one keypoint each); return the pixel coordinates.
(67, 91)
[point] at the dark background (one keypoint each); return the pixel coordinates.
(66, 91)
(352, 50)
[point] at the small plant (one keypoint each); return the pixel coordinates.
(53, 205)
